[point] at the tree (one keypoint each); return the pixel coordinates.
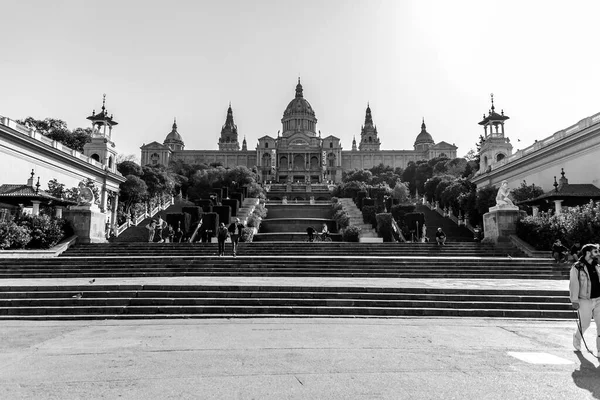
(134, 190)
(56, 129)
(129, 168)
(381, 169)
(158, 180)
(486, 198)
(358, 175)
(525, 192)
(400, 192)
(456, 167)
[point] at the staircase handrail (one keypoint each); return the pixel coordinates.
(193, 236)
(137, 220)
(121, 228)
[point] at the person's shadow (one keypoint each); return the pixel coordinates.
(587, 376)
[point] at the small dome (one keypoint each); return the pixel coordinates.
(174, 136)
(424, 137)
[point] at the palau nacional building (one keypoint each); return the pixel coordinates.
(298, 152)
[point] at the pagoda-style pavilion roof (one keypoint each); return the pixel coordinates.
(578, 191)
(25, 194)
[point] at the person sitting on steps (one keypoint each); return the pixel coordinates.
(310, 231)
(559, 251)
(440, 237)
(324, 232)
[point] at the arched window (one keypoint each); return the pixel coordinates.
(266, 145)
(299, 161)
(485, 161)
(370, 139)
(110, 161)
(266, 160)
(95, 157)
(331, 160)
(331, 145)
(500, 157)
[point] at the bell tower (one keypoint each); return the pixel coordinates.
(495, 146)
(101, 147)
(368, 134)
(229, 134)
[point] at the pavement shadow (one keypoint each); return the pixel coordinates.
(587, 376)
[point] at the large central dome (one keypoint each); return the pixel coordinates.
(298, 105)
(299, 115)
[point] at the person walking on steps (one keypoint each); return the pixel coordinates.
(151, 227)
(584, 289)
(235, 231)
(222, 234)
(160, 225)
(440, 237)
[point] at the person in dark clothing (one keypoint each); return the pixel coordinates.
(222, 234)
(440, 237)
(310, 231)
(178, 236)
(584, 289)
(170, 233)
(574, 250)
(477, 234)
(235, 231)
(559, 251)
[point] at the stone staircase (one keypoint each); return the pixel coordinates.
(434, 220)
(189, 280)
(356, 219)
(139, 233)
(202, 301)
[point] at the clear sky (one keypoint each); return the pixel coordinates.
(440, 60)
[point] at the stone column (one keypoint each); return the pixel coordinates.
(103, 198)
(535, 210)
(113, 216)
(558, 206)
(36, 207)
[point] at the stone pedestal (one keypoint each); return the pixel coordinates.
(500, 222)
(89, 223)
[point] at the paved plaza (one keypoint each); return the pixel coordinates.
(273, 358)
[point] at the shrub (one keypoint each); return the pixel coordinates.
(580, 223)
(362, 194)
(351, 234)
(13, 236)
(45, 231)
(247, 235)
(260, 210)
(369, 215)
(384, 227)
(254, 221)
(341, 218)
(400, 210)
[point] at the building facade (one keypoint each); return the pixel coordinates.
(575, 149)
(299, 152)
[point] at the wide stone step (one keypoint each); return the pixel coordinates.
(173, 301)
